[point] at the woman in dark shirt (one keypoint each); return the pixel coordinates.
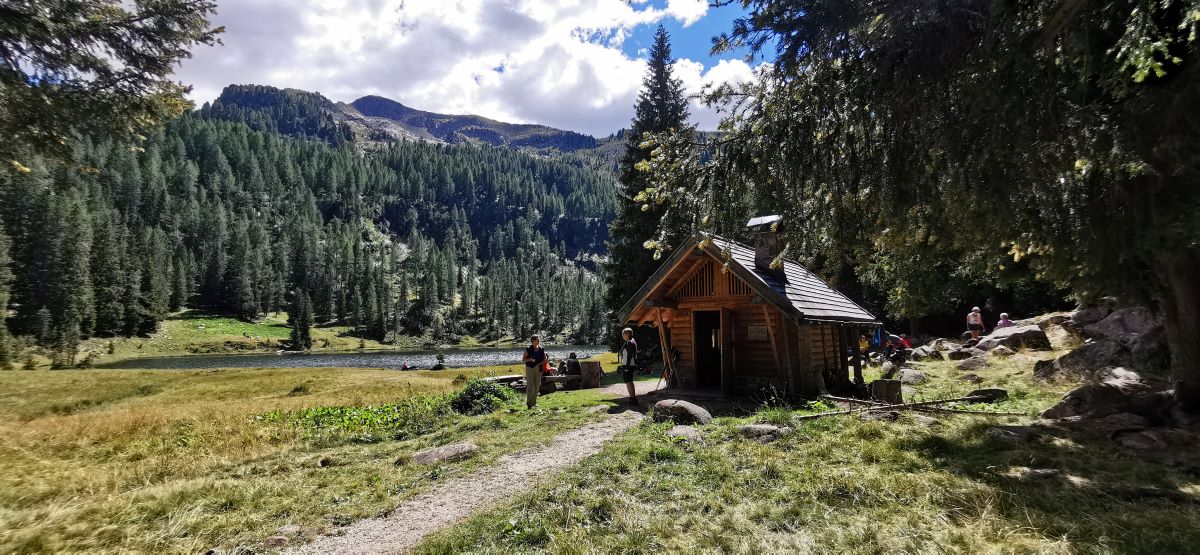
(535, 356)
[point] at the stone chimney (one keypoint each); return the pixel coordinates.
(767, 244)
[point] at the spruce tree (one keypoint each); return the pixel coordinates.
(661, 107)
(300, 316)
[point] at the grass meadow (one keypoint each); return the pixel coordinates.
(185, 461)
(844, 485)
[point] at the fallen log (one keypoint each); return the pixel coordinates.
(878, 405)
(872, 406)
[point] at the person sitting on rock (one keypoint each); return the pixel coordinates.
(1004, 321)
(975, 322)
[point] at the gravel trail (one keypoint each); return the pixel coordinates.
(460, 497)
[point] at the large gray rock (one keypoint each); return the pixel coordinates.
(926, 353)
(1085, 360)
(681, 412)
(940, 344)
(1002, 351)
(973, 363)
(1125, 326)
(1016, 338)
(445, 453)
(763, 433)
(1141, 440)
(880, 416)
(1097, 400)
(1104, 426)
(686, 434)
(912, 377)
(1090, 315)
(964, 354)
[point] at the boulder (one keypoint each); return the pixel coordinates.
(276, 542)
(1106, 426)
(1086, 360)
(940, 344)
(971, 378)
(1016, 338)
(926, 353)
(1089, 315)
(762, 433)
(880, 416)
(990, 394)
(974, 363)
(1003, 352)
(681, 412)
(927, 421)
(888, 370)
(1122, 374)
(963, 354)
(969, 343)
(1125, 326)
(1143, 440)
(445, 453)
(1097, 400)
(686, 434)
(912, 377)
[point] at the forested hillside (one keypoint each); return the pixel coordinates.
(418, 239)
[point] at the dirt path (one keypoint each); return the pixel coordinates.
(460, 497)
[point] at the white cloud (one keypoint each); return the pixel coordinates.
(562, 63)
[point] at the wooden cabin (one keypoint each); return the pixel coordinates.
(734, 323)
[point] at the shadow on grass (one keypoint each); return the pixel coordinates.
(1091, 492)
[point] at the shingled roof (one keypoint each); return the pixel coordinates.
(805, 295)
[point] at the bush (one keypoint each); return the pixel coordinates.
(480, 397)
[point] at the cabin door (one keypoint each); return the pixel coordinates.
(707, 343)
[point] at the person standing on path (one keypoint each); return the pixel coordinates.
(627, 363)
(975, 322)
(535, 357)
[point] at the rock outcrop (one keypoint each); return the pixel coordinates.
(1016, 338)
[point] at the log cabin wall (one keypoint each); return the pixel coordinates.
(758, 361)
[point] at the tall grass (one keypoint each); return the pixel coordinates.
(185, 461)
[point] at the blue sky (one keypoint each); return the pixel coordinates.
(570, 64)
(693, 41)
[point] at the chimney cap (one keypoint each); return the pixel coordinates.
(762, 221)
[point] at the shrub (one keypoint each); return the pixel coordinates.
(412, 417)
(480, 397)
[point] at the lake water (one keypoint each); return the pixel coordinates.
(417, 360)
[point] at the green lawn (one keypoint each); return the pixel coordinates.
(843, 485)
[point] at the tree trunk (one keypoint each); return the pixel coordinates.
(1181, 309)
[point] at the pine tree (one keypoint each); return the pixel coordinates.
(300, 316)
(661, 107)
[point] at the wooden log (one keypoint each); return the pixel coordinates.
(589, 373)
(887, 391)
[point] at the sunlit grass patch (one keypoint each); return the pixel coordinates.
(843, 485)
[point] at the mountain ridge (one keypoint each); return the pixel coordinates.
(375, 118)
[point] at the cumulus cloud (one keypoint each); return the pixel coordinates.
(558, 63)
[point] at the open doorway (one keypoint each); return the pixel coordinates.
(707, 341)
